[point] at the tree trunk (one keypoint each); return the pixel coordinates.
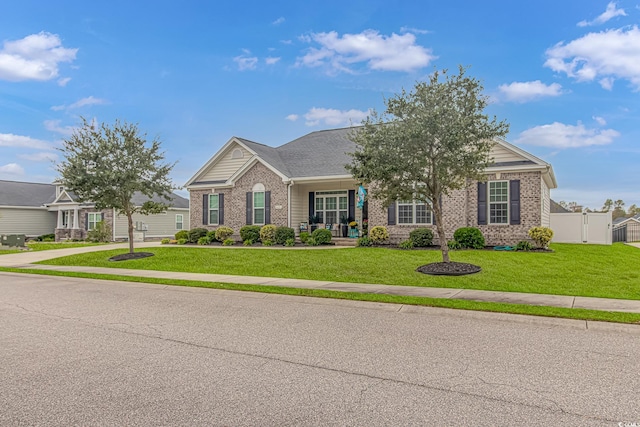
(444, 247)
(130, 221)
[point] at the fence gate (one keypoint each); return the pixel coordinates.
(581, 227)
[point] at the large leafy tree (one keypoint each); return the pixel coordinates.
(107, 165)
(427, 143)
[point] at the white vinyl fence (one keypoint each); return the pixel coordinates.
(579, 227)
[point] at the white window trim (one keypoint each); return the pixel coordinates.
(331, 193)
(263, 208)
(213, 209)
(508, 202)
(413, 204)
(181, 222)
(95, 221)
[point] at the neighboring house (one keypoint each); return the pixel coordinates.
(633, 220)
(555, 207)
(250, 183)
(35, 209)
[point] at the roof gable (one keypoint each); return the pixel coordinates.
(32, 194)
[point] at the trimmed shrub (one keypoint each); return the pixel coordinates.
(211, 235)
(524, 245)
(321, 236)
(250, 232)
(541, 235)
(268, 232)
(453, 245)
(304, 236)
(99, 234)
(290, 242)
(46, 238)
(469, 237)
(421, 237)
(407, 244)
(364, 242)
(228, 242)
(283, 234)
(182, 241)
(165, 241)
(378, 235)
(222, 233)
(182, 234)
(312, 242)
(196, 233)
(204, 240)
(247, 242)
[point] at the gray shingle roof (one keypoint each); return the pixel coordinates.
(32, 194)
(175, 200)
(555, 207)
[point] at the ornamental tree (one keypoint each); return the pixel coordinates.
(107, 165)
(427, 143)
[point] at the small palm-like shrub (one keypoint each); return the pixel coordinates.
(283, 234)
(222, 233)
(182, 241)
(165, 241)
(228, 242)
(211, 235)
(364, 242)
(312, 242)
(523, 245)
(421, 237)
(304, 236)
(204, 240)
(407, 244)
(453, 245)
(267, 242)
(268, 232)
(182, 234)
(541, 235)
(250, 232)
(469, 238)
(247, 242)
(321, 236)
(290, 242)
(378, 235)
(196, 233)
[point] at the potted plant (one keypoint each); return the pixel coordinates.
(344, 225)
(314, 220)
(365, 227)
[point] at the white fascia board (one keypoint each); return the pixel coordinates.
(206, 186)
(547, 172)
(212, 160)
(24, 207)
(521, 152)
(252, 161)
(64, 193)
(322, 178)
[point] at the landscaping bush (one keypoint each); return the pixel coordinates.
(211, 235)
(268, 232)
(421, 237)
(283, 234)
(453, 245)
(248, 242)
(378, 235)
(364, 242)
(222, 233)
(196, 233)
(312, 242)
(407, 244)
(321, 236)
(541, 235)
(99, 234)
(182, 234)
(165, 241)
(46, 238)
(304, 236)
(290, 242)
(250, 232)
(204, 240)
(182, 241)
(523, 245)
(228, 242)
(469, 238)
(267, 242)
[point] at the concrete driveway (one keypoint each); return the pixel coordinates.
(88, 352)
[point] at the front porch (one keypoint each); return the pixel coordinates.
(68, 225)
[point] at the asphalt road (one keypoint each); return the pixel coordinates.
(85, 352)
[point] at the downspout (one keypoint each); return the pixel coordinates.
(113, 225)
(289, 203)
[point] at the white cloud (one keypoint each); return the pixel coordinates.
(278, 21)
(11, 140)
(527, 91)
(270, 60)
(379, 52)
(35, 57)
(292, 117)
(39, 157)
(413, 30)
(88, 101)
(611, 12)
(606, 55)
(600, 120)
(54, 126)
(63, 82)
(11, 169)
(560, 135)
(333, 117)
(286, 41)
(246, 62)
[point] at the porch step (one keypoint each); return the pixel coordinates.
(341, 241)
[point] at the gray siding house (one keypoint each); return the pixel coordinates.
(34, 209)
(246, 182)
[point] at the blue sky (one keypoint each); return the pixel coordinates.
(564, 74)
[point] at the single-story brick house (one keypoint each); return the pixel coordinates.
(35, 209)
(250, 183)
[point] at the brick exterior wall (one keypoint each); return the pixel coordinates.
(81, 233)
(460, 209)
(235, 200)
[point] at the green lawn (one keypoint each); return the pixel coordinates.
(46, 246)
(581, 270)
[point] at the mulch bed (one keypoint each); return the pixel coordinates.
(128, 256)
(448, 269)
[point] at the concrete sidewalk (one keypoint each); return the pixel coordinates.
(24, 261)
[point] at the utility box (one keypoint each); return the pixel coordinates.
(12, 240)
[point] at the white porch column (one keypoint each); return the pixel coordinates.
(75, 218)
(59, 218)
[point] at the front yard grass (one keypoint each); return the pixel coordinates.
(579, 270)
(46, 246)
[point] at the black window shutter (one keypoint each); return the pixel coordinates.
(312, 203)
(220, 209)
(205, 209)
(514, 200)
(267, 207)
(482, 203)
(86, 221)
(391, 214)
(249, 208)
(352, 204)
